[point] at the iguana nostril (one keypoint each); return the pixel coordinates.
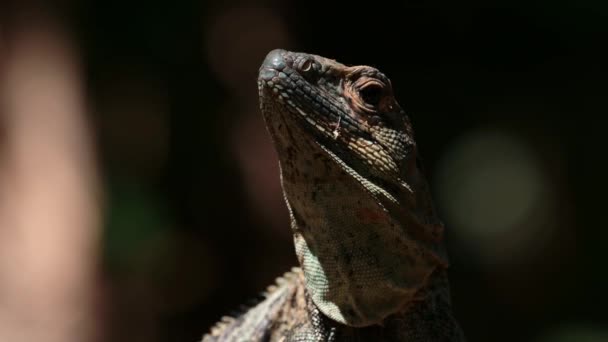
(306, 65)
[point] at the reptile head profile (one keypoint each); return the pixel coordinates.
(345, 108)
(360, 206)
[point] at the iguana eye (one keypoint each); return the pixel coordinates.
(371, 94)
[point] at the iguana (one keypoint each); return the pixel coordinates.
(372, 263)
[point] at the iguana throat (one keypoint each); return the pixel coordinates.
(365, 231)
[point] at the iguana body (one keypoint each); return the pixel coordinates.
(368, 241)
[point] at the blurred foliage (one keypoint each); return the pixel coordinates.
(134, 221)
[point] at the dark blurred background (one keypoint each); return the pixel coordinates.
(508, 105)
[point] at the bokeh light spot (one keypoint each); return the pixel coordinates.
(491, 187)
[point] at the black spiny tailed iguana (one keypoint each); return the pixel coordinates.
(368, 240)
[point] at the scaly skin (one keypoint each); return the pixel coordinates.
(368, 240)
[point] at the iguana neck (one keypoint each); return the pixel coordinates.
(360, 262)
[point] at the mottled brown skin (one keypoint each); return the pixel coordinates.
(368, 240)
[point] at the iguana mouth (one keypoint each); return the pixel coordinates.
(289, 81)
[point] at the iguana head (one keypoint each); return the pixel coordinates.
(365, 230)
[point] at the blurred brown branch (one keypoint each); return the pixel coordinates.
(49, 215)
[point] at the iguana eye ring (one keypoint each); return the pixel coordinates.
(371, 94)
